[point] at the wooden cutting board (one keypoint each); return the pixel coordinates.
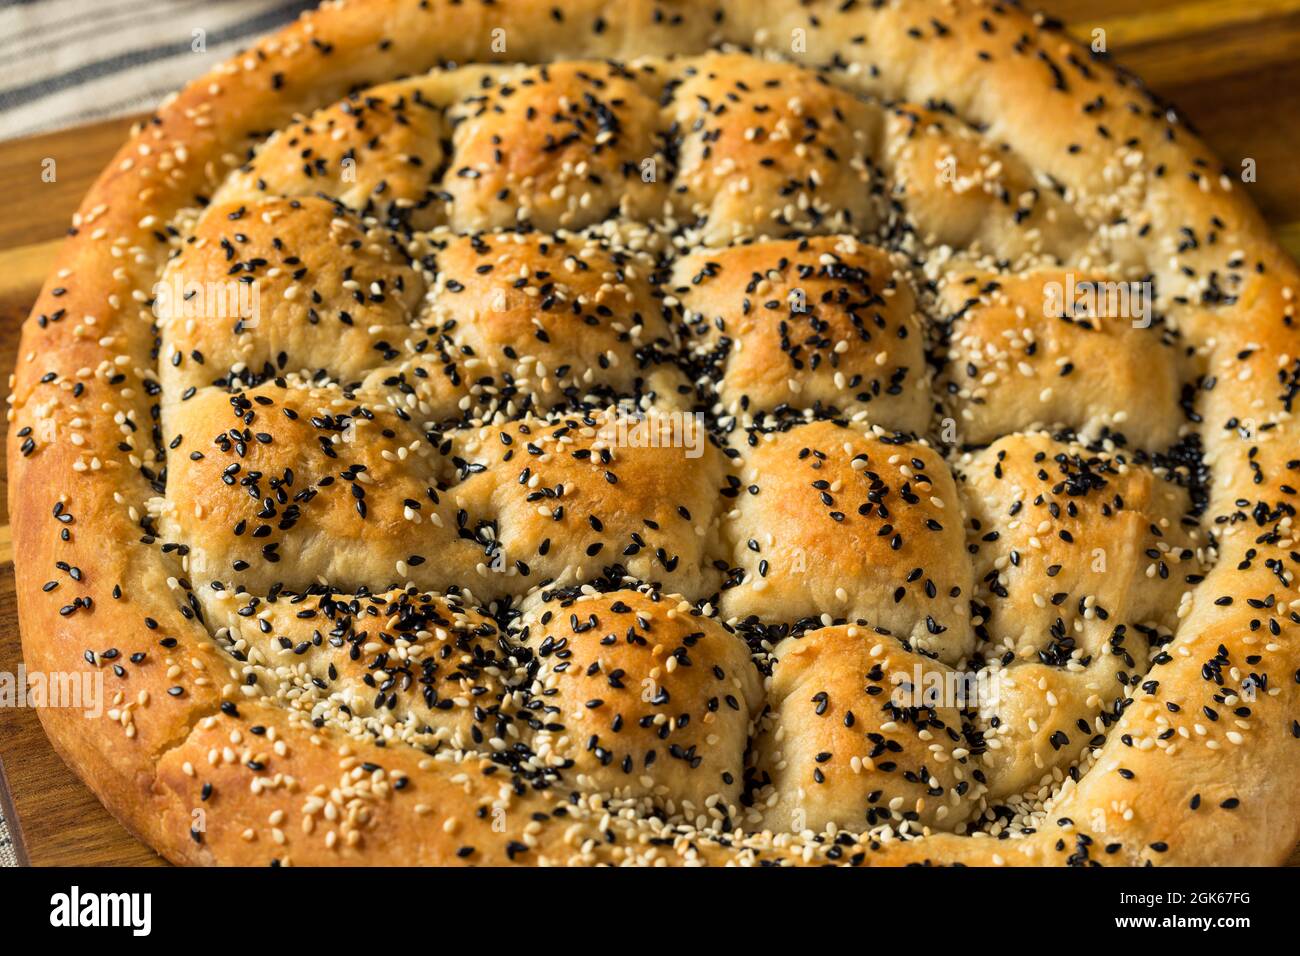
(1232, 67)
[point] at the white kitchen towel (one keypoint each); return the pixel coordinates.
(8, 857)
(64, 62)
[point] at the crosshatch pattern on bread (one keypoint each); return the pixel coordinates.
(624, 433)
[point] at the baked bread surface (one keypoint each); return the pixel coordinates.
(376, 566)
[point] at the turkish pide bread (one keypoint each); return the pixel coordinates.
(733, 432)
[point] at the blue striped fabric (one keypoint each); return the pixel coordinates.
(65, 62)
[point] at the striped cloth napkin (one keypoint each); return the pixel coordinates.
(64, 62)
(8, 856)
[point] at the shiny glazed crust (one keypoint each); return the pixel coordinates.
(215, 749)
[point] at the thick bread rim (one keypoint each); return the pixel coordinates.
(81, 386)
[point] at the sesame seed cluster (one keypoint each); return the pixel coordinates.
(659, 450)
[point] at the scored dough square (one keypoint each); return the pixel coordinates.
(558, 318)
(770, 149)
(378, 153)
(1082, 560)
(282, 488)
(820, 323)
(1015, 364)
(558, 146)
(424, 668)
(280, 286)
(830, 520)
(855, 739)
(958, 189)
(642, 695)
(565, 501)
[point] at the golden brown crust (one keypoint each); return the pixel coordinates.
(1084, 561)
(1060, 350)
(638, 695)
(379, 154)
(838, 523)
(562, 502)
(307, 289)
(818, 323)
(959, 189)
(861, 738)
(1198, 764)
(554, 317)
(265, 484)
(770, 150)
(558, 146)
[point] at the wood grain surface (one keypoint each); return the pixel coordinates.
(1231, 66)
